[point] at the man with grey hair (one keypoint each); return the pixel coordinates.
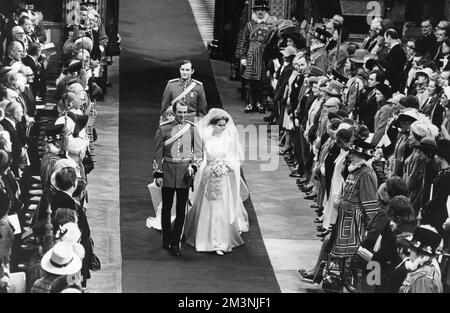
(76, 150)
(13, 116)
(15, 53)
(19, 34)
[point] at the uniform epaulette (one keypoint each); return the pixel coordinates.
(173, 80)
(192, 123)
(164, 123)
(198, 82)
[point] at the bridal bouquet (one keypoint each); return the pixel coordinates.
(219, 168)
(214, 187)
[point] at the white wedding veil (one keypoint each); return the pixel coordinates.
(205, 130)
(234, 157)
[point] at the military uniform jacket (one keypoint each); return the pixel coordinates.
(195, 99)
(171, 161)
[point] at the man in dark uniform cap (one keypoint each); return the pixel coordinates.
(187, 89)
(175, 160)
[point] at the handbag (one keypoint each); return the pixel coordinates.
(94, 262)
(332, 280)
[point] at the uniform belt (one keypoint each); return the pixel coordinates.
(177, 160)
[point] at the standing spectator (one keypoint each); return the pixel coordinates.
(433, 108)
(428, 39)
(422, 81)
(424, 273)
(382, 94)
(356, 84)
(256, 36)
(13, 116)
(33, 61)
(319, 55)
(368, 105)
(337, 51)
(434, 212)
(445, 56)
(402, 223)
(396, 59)
(402, 149)
(6, 230)
(415, 164)
(442, 34)
(14, 53)
(358, 203)
(59, 261)
(371, 41)
(410, 52)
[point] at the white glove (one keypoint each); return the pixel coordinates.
(446, 225)
(297, 122)
(244, 62)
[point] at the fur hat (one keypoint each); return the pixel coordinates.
(425, 239)
(261, 5)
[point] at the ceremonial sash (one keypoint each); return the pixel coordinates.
(184, 93)
(180, 133)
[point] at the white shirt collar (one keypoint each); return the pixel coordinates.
(13, 123)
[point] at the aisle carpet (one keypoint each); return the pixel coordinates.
(157, 36)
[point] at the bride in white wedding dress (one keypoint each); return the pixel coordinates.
(218, 217)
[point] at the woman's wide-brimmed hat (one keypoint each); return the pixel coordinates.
(61, 260)
(334, 88)
(321, 34)
(425, 239)
(409, 114)
(359, 56)
(339, 76)
(428, 145)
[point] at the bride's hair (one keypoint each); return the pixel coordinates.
(216, 119)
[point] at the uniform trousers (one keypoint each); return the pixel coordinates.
(173, 236)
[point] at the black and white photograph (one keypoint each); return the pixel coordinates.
(224, 154)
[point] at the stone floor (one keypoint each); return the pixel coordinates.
(104, 205)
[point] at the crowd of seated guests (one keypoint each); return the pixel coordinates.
(63, 248)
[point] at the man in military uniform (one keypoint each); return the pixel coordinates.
(187, 89)
(175, 161)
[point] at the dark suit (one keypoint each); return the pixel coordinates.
(283, 81)
(396, 60)
(429, 44)
(36, 68)
(408, 67)
(8, 61)
(438, 57)
(367, 109)
(63, 200)
(16, 145)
